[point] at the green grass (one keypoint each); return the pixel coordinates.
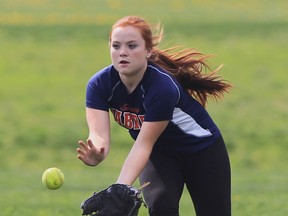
(49, 49)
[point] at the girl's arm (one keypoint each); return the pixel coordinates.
(97, 146)
(140, 152)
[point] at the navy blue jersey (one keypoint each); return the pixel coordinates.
(157, 97)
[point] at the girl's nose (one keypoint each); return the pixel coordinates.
(123, 52)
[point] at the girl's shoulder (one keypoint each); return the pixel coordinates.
(106, 72)
(107, 76)
(158, 84)
(160, 78)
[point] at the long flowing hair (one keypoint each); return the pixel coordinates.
(187, 65)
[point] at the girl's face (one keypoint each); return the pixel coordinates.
(128, 51)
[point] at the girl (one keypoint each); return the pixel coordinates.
(160, 98)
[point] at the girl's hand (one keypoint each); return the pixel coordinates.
(89, 154)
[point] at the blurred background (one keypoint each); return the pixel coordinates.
(50, 48)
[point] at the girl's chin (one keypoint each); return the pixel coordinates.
(124, 70)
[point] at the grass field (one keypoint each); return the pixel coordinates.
(48, 51)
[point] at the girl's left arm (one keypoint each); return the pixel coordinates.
(140, 152)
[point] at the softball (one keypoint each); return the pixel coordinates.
(53, 178)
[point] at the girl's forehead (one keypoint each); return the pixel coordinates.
(126, 33)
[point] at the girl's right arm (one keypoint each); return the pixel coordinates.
(96, 148)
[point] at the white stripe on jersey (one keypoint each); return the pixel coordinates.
(188, 125)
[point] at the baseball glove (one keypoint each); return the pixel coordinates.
(116, 200)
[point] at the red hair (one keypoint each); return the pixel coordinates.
(185, 65)
(142, 26)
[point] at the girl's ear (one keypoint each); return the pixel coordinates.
(149, 52)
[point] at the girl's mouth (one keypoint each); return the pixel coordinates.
(123, 62)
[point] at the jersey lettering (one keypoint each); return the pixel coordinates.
(117, 116)
(136, 120)
(128, 123)
(128, 120)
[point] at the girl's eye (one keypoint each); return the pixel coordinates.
(132, 46)
(116, 46)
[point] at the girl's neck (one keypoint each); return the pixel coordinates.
(132, 81)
